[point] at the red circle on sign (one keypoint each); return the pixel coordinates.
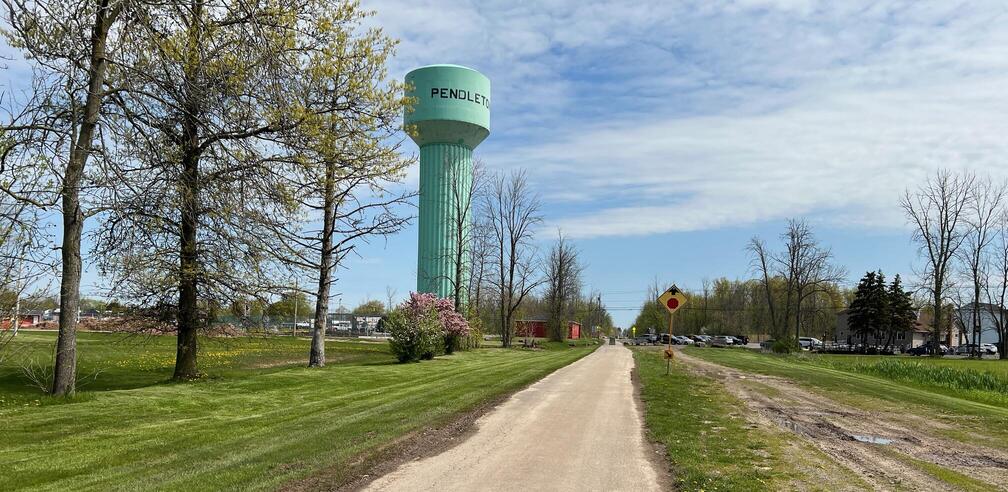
(672, 303)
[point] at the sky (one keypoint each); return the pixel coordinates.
(662, 136)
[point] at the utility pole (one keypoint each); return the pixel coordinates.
(600, 315)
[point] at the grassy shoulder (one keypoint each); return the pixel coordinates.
(257, 422)
(708, 443)
(845, 378)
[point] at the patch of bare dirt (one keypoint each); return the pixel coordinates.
(839, 431)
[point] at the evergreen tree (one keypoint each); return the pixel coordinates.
(902, 313)
(860, 317)
(880, 304)
(869, 311)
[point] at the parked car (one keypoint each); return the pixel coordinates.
(642, 340)
(664, 338)
(738, 342)
(767, 344)
(721, 341)
(684, 340)
(744, 339)
(966, 349)
(988, 348)
(925, 349)
(702, 338)
(809, 343)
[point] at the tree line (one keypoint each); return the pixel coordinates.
(796, 292)
(220, 150)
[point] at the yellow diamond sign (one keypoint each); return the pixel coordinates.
(672, 299)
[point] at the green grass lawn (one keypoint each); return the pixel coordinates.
(994, 366)
(983, 413)
(707, 442)
(258, 420)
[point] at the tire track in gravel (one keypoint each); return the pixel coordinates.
(839, 430)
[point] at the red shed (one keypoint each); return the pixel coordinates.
(574, 330)
(537, 328)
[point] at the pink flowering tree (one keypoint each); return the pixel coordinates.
(452, 326)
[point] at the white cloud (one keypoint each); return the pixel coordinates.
(726, 113)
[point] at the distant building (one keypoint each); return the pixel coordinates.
(340, 323)
(538, 328)
(25, 319)
(990, 315)
(906, 339)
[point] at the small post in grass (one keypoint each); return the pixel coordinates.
(668, 351)
(672, 299)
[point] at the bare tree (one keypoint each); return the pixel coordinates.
(982, 212)
(511, 213)
(937, 209)
(805, 269)
(465, 184)
(996, 280)
(563, 285)
(762, 262)
(23, 261)
(807, 266)
(390, 295)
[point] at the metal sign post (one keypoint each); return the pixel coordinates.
(672, 299)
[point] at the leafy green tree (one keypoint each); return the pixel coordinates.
(289, 304)
(219, 118)
(372, 307)
(346, 150)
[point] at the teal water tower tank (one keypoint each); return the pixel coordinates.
(448, 118)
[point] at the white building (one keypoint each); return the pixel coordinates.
(990, 315)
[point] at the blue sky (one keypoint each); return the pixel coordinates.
(662, 136)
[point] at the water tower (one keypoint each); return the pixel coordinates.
(449, 117)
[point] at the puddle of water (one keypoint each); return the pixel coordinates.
(872, 439)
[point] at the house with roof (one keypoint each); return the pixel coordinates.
(920, 334)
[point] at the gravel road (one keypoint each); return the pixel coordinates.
(577, 429)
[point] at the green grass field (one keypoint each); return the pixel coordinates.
(910, 388)
(257, 421)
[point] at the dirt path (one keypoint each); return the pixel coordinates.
(577, 429)
(840, 432)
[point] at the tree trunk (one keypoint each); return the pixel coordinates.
(936, 322)
(189, 190)
(316, 358)
(459, 254)
(65, 367)
(185, 357)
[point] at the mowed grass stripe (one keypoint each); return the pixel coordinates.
(196, 431)
(307, 419)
